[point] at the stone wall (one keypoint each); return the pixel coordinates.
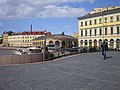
(20, 59)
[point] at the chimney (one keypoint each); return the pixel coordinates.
(30, 28)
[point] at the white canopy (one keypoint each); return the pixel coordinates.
(33, 48)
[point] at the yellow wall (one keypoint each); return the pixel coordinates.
(21, 40)
(41, 42)
(75, 35)
(108, 24)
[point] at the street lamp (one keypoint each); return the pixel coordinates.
(45, 38)
(44, 47)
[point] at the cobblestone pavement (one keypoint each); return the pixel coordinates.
(78, 72)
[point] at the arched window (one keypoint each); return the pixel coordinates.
(111, 43)
(95, 43)
(63, 44)
(50, 42)
(81, 43)
(57, 43)
(90, 43)
(86, 42)
(117, 43)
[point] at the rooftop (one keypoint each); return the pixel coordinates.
(56, 36)
(101, 13)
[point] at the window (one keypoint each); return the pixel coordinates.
(85, 42)
(111, 30)
(90, 22)
(90, 32)
(95, 31)
(105, 19)
(100, 20)
(95, 21)
(111, 43)
(111, 19)
(117, 18)
(100, 31)
(105, 31)
(100, 43)
(81, 43)
(81, 23)
(81, 33)
(85, 32)
(118, 29)
(85, 23)
(117, 43)
(90, 43)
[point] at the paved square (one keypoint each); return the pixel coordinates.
(78, 72)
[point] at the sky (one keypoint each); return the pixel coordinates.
(54, 16)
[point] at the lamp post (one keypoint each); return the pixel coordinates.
(44, 47)
(45, 38)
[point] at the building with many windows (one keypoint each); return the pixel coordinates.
(23, 39)
(98, 25)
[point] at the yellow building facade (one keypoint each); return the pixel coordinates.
(21, 40)
(58, 39)
(101, 24)
(75, 35)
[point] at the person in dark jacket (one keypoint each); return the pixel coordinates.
(104, 48)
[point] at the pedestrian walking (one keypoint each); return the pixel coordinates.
(104, 48)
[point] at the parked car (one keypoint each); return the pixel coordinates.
(30, 50)
(73, 49)
(52, 47)
(20, 51)
(92, 49)
(83, 49)
(117, 49)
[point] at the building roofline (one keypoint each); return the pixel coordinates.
(107, 12)
(55, 36)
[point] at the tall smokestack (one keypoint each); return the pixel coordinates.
(30, 28)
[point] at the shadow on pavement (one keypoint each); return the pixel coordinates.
(108, 57)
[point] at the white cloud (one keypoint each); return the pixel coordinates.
(65, 11)
(3, 1)
(38, 2)
(39, 8)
